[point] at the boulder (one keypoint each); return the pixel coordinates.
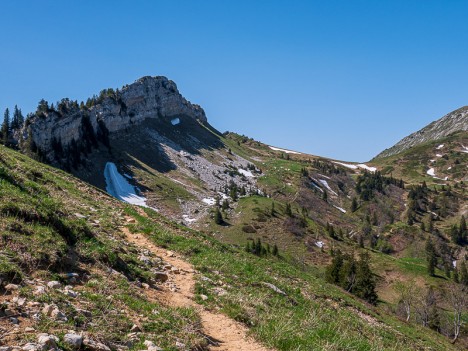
(54, 285)
(73, 341)
(92, 345)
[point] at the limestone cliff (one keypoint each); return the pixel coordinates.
(148, 97)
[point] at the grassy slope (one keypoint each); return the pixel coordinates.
(44, 236)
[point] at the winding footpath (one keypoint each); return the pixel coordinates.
(223, 333)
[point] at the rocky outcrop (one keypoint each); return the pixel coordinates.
(148, 97)
(453, 122)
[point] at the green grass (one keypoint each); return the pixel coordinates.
(314, 315)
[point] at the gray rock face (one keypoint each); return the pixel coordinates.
(148, 97)
(453, 122)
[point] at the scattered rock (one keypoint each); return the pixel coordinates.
(54, 285)
(47, 310)
(274, 288)
(12, 287)
(28, 330)
(203, 297)
(92, 345)
(14, 320)
(47, 341)
(219, 291)
(5, 348)
(39, 291)
(135, 329)
(161, 276)
(31, 347)
(74, 341)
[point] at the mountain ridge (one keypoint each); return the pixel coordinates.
(452, 122)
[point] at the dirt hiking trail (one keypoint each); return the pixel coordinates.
(224, 333)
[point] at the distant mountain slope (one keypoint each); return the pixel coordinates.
(453, 122)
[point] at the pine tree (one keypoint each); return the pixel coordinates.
(258, 247)
(354, 205)
(5, 129)
(431, 257)
(275, 251)
(365, 282)
(333, 272)
(463, 274)
(455, 235)
(463, 230)
(272, 211)
(218, 218)
(456, 278)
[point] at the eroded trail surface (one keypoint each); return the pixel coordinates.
(224, 333)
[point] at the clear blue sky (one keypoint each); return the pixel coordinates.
(343, 79)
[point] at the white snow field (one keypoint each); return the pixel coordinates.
(361, 165)
(175, 121)
(284, 150)
(118, 187)
(244, 172)
(370, 169)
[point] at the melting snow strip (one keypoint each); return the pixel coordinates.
(118, 187)
(284, 150)
(440, 146)
(339, 208)
(325, 184)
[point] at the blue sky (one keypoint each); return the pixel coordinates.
(343, 79)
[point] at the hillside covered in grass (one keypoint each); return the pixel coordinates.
(67, 270)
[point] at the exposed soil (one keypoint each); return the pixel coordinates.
(224, 333)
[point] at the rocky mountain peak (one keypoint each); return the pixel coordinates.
(454, 121)
(111, 111)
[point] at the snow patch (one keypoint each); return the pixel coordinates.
(339, 208)
(465, 149)
(244, 172)
(431, 172)
(284, 150)
(370, 169)
(209, 201)
(175, 121)
(438, 155)
(188, 219)
(361, 165)
(319, 244)
(346, 165)
(325, 184)
(440, 146)
(118, 187)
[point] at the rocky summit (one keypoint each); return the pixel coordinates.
(113, 111)
(455, 121)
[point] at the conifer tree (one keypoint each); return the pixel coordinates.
(431, 257)
(365, 282)
(275, 251)
(463, 274)
(354, 205)
(218, 218)
(5, 129)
